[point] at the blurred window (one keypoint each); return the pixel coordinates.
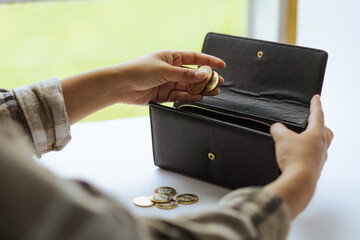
(43, 39)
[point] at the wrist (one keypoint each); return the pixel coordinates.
(299, 176)
(89, 92)
(118, 82)
(303, 170)
(296, 187)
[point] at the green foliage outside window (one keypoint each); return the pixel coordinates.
(39, 40)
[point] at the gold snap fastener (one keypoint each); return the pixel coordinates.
(211, 156)
(260, 54)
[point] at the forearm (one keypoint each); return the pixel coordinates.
(296, 187)
(88, 92)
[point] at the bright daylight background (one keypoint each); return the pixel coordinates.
(39, 40)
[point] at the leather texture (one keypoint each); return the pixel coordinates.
(277, 87)
(182, 142)
(234, 125)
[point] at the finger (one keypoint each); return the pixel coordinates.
(329, 136)
(195, 58)
(163, 91)
(181, 96)
(279, 131)
(183, 87)
(221, 81)
(316, 118)
(185, 75)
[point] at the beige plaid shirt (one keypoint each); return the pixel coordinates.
(35, 204)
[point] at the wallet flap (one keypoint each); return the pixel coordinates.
(266, 80)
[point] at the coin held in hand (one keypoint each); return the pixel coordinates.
(196, 88)
(212, 84)
(208, 85)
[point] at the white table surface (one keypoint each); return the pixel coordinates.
(116, 156)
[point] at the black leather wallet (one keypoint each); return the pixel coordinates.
(226, 139)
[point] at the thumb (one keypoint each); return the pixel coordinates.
(278, 131)
(186, 75)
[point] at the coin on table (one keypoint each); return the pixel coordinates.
(143, 201)
(168, 190)
(196, 88)
(214, 81)
(169, 205)
(161, 197)
(187, 198)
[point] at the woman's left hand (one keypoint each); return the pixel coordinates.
(161, 77)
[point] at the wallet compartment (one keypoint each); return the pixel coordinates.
(182, 142)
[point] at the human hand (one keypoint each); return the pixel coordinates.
(301, 157)
(160, 77)
(306, 151)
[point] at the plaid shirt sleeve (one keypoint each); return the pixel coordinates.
(40, 109)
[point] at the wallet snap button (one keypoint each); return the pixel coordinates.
(211, 156)
(260, 54)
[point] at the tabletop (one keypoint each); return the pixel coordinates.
(116, 155)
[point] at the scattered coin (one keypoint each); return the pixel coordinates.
(168, 190)
(143, 201)
(187, 198)
(196, 88)
(169, 205)
(214, 81)
(161, 197)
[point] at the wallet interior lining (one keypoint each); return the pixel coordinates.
(263, 109)
(226, 117)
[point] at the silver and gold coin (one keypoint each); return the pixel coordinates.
(212, 84)
(168, 190)
(143, 201)
(187, 198)
(196, 88)
(161, 197)
(169, 205)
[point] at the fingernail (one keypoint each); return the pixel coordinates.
(201, 74)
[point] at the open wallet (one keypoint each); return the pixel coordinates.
(225, 139)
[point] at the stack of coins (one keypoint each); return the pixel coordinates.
(208, 85)
(163, 198)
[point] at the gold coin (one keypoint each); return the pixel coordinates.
(196, 88)
(187, 198)
(143, 201)
(168, 190)
(161, 197)
(169, 205)
(212, 84)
